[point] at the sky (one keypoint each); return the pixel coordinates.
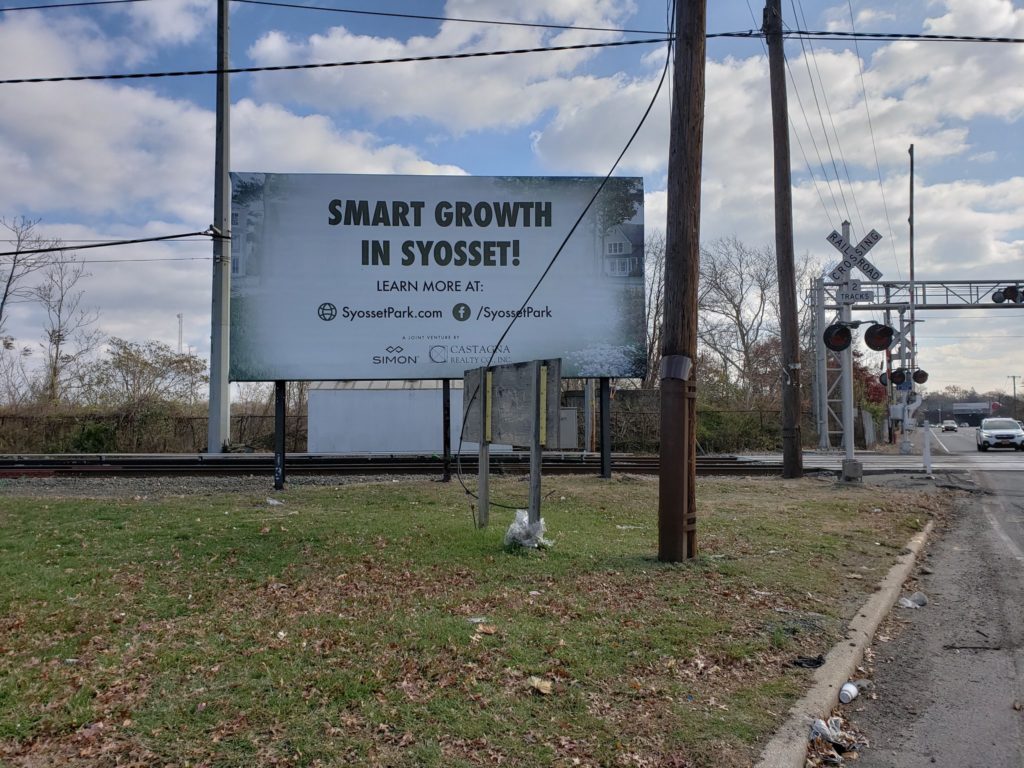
(123, 159)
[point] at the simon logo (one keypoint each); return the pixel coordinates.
(394, 356)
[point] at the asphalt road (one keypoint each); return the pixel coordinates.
(949, 677)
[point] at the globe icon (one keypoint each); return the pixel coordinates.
(327, 311)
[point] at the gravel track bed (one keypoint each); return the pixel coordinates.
(202, 485)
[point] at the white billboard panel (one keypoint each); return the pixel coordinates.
(417, 277)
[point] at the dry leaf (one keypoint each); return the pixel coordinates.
(540, 685)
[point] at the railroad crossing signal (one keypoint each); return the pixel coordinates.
(854, 256)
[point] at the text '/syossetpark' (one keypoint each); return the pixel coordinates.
(457, 213)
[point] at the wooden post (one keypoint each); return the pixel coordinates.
(792, 451)
(677, 475)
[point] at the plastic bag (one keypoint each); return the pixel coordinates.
(523, 533)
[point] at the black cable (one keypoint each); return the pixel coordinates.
(125, 261)
(425, 17)
(831, 117)
(897, 36)
(53, 249)
(326, 65)
(558, 252)
(874, 147)
(810, 134)
(50, 6)
(796, 135)
(821, 117)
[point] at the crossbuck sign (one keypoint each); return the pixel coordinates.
(854, 256)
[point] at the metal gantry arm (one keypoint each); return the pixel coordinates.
(927, 294)
(895, 295)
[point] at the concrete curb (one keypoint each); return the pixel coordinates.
(788, 747)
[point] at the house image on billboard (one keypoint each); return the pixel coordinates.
(623, 252)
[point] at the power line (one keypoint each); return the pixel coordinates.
(897, 36)
(821, 119)
(874, 146)
(51, 6)
(326, 65)
(129, 261)
(425, 17)
(831, 117)
(55, 248)
(810, 133)
(796, 135)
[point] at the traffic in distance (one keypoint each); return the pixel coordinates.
(994, 433)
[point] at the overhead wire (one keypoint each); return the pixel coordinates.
(824, 131)
(334, 64)
(558, 252)
(811, 57)
(83, 4)
(427, 17)
(874, 145)
(796, 135)
(57, 248)
(810, 133)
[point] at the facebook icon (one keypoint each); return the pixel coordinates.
(461, 312)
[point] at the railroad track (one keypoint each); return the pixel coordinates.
(310, 464)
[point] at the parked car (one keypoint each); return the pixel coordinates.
(949, 426)
(964, 424)
(1000, 433)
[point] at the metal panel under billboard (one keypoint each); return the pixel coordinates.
(417, 277)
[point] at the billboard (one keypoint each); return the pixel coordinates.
(417, 277)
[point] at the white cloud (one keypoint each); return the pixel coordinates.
(173, 21)
(502, 92)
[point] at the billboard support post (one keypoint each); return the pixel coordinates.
(537, 439)
(483, 462)
(446, 410)
(280, 391)
(606, 427)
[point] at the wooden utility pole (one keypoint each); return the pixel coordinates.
(677, 509)
(792, 452)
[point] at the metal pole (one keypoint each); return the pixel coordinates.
(905, 444)
(588, 415)
(446, 410)
(676, 476)
(219, 411)
(927, 449)
(821, 364)
(280, 399)
(606, 427)
(789, 324)
(535, 450)
(851, 468)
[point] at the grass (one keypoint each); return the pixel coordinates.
(344, 626)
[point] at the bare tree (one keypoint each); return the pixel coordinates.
(654, 277)
(135, 374)
(15, 375)
(735, 312)
(16, 267)
(69, 333)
